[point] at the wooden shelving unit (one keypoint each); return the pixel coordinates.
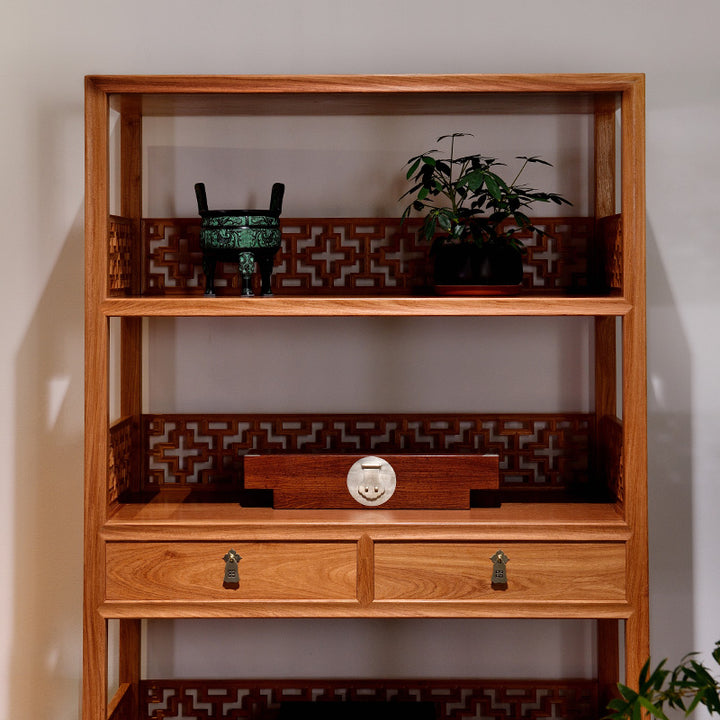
(157, 557)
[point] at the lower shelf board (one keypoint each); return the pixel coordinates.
(451, 698)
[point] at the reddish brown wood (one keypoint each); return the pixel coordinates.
(213, 445)
(124, 703)
(608, 654)
(496, 699)
(354, 256)
(609, 234)
(320, 481)
(121, 270)
(129, 659)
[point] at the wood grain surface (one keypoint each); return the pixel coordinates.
(422, 481)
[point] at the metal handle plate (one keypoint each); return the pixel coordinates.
(232, 574)
(371, 481)
(499, 574)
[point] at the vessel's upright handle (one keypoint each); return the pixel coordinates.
(276, 198)
(201, 197)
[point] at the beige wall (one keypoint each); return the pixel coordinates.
(46, 48)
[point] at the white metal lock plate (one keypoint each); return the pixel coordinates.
(371, 481)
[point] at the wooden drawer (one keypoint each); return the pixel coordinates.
(535, 571)
(194, 571)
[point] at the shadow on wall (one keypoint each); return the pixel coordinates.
(670, 469)
(47, 563)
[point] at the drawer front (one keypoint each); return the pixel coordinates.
(195, 571)
(535, 571)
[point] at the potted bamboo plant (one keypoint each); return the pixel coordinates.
(472, 217)
(685, 688)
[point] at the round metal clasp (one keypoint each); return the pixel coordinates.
(371, 481)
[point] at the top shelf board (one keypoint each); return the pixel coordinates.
(365, 95)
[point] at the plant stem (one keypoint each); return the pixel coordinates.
(519, 173)
(450, 180)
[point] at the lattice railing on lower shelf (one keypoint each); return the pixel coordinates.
(351, 256)
(452, 699)
(203, 453)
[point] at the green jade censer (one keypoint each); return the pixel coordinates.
(248, 237)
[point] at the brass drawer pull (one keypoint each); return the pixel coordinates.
(232, 576)
(499, 574)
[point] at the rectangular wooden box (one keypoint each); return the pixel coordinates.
(422, 481)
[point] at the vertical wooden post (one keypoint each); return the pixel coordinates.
(131, 343)
(637, 641)
(131, 209)
(605, 350)
(96, 399)
(605, 365)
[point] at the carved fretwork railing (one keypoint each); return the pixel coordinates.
(356, 256)
(538, 453)
(450, 699)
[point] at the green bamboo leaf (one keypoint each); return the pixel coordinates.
(699, 697)
(716, 652)
(628, 693)
(454, 135)
(473, 180)
(523, 220)
(412, 169)
(659, 676)
(444, 222)
(652, 709)
(493, 187)
(431, 161)
(617, 704)
(533, 159)
(712, 700)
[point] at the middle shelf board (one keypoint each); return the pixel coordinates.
(527, 305)
(521, 522)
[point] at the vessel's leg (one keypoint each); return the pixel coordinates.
(208, 264)
(246, 267)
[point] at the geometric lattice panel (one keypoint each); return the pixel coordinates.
(452, 699)
(354, 256)
(120, 249)
(609, 234)
(199, 452)
(122, 453)
(610, 455)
